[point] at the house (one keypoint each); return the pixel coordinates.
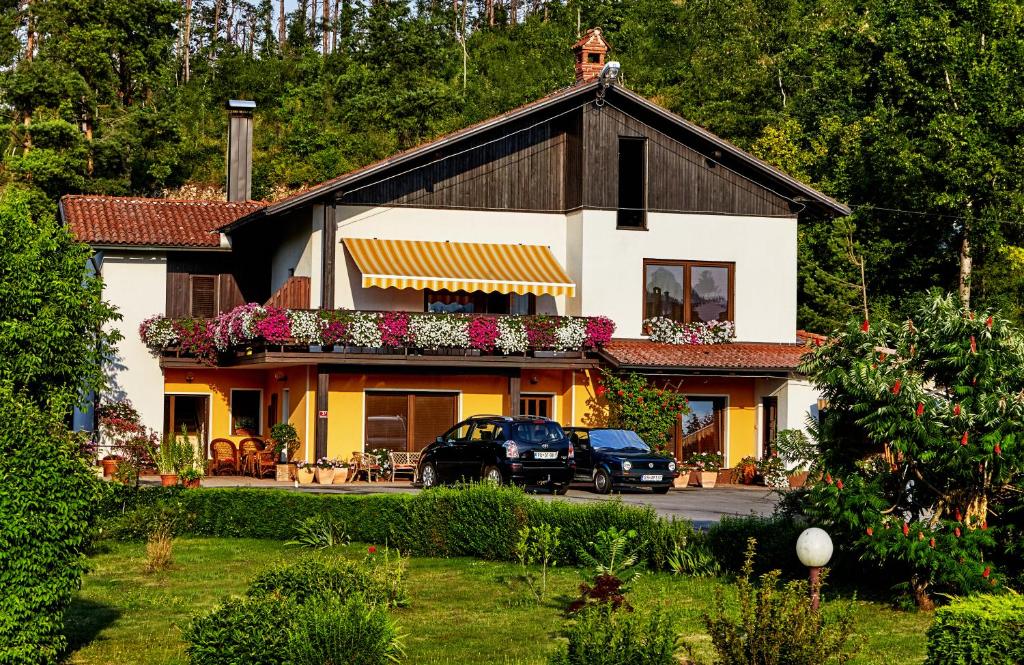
(589, 202)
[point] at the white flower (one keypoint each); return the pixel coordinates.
(305, 326)
(571, 334)
(667, 331)
(512, 336)
(158, 332)
(439, 331)
(364, 330)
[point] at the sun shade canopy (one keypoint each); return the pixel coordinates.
(459, 266)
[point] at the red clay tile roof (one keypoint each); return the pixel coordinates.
(734, 356)
(116, 220)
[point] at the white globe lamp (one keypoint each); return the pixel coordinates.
(814, 549)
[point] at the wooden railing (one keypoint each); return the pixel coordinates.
(293, 294)
(701, 441)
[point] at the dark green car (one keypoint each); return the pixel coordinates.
(611, 458)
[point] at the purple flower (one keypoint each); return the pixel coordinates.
(483, 333)
(394, 328)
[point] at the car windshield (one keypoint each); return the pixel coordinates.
(541, 431)
(617, 439)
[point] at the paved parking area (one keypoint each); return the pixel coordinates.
(702, 506)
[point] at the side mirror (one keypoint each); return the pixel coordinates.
(440, 439)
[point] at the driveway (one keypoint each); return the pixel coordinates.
(701, 506)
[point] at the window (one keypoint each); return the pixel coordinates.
(703, 429)
(203, 296)
(688, 291)
(535, 405)
(632, 183)
(478, 302)
(246, 409)
(486, 432)
(402, 421)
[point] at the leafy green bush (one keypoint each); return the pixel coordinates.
(776, 624)
(776, 543)
(343, 631)
(978, 630)
(473, 520)
(250, 630)
(47, 500)
(318, 533)
(318, 575)
(601, 635)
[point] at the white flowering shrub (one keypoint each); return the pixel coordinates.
(571, 334)
(158, 332)
(512, 336)
(667, 331)
(306, 326)
(439, 331)
(364, 330)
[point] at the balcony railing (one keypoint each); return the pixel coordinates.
(250, 327)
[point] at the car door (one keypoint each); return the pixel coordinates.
(450, 452)
(479, 449)
(584, 453)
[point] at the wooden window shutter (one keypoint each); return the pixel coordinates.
(433, 415)
(204, 296)
(177, 294)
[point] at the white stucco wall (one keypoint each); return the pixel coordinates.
(763, 249)
(137, 286)
(294, 251)
(796, 400)
(439, 225)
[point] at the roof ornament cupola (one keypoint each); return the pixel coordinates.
(590, 53)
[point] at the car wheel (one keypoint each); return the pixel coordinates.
(602, 482)
(561, 490)
(661, 490)
(492, 474)
(429, 475)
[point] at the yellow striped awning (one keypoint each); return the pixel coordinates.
(459, 266)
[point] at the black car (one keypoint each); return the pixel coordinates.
(525, 450)
(619, 458)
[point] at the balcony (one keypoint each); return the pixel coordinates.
(253, 333)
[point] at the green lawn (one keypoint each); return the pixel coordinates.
(462, 610)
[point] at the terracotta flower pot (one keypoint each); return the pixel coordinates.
(324, 476)
(109, 467)
(726, 476)
(284, 472)
(168, 479)
(305, 476)
(340, 476)
(797, 479)
(193, 483)
(708, 478)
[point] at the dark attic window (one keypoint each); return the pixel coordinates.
(594, 58)
(632, 209)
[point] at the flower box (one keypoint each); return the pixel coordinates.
(726, 477)
(557, 354)
(284, 472)
(304, 476)
(324, 476)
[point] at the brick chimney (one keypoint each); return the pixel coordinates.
(239, 183)
(590, 51)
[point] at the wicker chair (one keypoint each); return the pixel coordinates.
(224, 457)
(256, 460)
(404, 463)
(363, 463)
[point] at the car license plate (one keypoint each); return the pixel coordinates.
(650, 478)
(545, 454)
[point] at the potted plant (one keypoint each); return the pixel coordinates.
(705, 468)
(341, 472)
(305, 472)
(191, 478)
(244, 426)
(285, 440)
(325, 471)
(798, 453)
(747, 469)
(172, 455)
(110, 463)
(773, 472)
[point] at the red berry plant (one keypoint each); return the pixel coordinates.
(635, 403)
(924, 447)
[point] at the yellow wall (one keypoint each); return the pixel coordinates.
(217, 383)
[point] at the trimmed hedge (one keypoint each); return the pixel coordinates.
(978, 630)
(474, 520)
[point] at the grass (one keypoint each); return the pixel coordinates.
(462, 611)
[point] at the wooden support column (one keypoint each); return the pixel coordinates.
(328, 247)
(514, 389)
(323, 383)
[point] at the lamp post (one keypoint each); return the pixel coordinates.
(814, 548)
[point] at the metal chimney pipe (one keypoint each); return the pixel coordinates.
(239, 158)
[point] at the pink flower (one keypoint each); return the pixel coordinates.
(483, 333)
(599, 330)
(275, 326)
(334, 332)
(394, 328)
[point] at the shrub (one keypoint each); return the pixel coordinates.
(776, 624)
(776, 539)
(318, 533)
(978, 630)
(693, 557)
(601, 635)
(242, 631)
(343, 631)
(473, 520)
(317, 575)
(47, 500)
(158, 550)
